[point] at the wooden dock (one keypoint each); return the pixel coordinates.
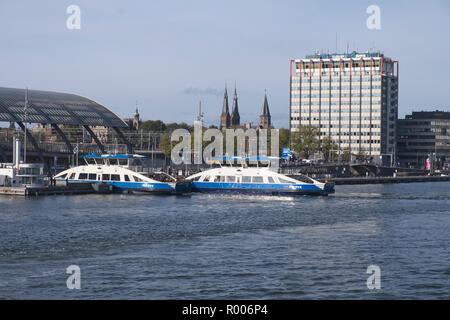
(69, 189)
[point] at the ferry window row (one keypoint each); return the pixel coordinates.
(102, 177)
(120, 162)
(243, 179)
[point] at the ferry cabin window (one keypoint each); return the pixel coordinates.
(207, 178)
(115, 177)
(137, 179)
(126, 177)
(92, 176)
(72, 176)
(231, 179)
(285, 181)
(105, 177)
(196, 178)
(123, 162)
(257, 179)
(90, 161)
(217, 179)
(304, 179)
(246, 179)
(270, 180)
(82, 176)
(222, 178)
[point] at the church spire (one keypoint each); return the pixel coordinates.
(225, 108)
(265, 118)
(235, 117)
(136, 121)
(225, 116)
(265, 108)
(136, 113)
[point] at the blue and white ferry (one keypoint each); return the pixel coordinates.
(114, 170)
(258, 179)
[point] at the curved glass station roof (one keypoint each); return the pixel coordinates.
(54, 107)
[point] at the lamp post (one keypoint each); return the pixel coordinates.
(25, 124)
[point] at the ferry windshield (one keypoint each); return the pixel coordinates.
(257, 164)
(305, 179)
(90, 161)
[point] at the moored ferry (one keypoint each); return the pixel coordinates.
(259, 180)
(113, 170)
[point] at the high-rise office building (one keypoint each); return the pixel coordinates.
(351, 98)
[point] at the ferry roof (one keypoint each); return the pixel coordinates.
(248, 158)
(54, 108)
(112, 156)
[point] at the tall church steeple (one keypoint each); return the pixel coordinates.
(225, 116)
(265, 118)
(136, 118)
(235, 117)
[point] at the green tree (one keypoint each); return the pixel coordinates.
(346, 154)
(153, 126)
(165, 144)
(328, 148)
(173, 126)
(305, 141)
(284, 138)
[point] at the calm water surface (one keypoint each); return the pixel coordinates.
(218, 246)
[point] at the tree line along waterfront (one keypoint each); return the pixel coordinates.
(305, 142)
(155, 136)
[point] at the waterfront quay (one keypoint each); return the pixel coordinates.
(66, 189)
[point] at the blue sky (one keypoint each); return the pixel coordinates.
(170, 54)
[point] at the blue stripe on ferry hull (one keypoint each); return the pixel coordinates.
(163, 188)
(290, 189)
(119, 186)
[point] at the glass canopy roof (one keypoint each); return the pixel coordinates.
(54, 107)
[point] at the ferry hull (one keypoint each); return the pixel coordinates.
(155, 188)
(161, 188)
(273, 189)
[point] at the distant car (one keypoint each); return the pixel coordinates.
(307, 161)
